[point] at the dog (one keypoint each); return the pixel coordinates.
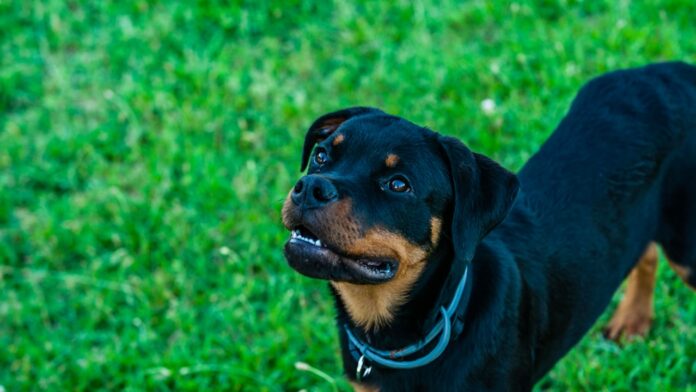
(449, 272)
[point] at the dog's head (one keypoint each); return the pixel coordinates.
(380, 195)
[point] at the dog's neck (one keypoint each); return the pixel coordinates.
(417, 314)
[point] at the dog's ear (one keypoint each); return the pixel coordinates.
(483, 193)
(325, 125)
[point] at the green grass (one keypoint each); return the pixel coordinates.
(146, 148)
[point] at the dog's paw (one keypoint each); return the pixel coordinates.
(629, 323)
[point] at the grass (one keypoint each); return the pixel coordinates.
(146, 148)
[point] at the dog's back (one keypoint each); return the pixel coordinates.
(614, 176)
(677, 227)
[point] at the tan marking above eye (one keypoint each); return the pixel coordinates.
(338, 139)
(392, 160)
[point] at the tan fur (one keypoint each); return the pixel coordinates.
(329, 126)
(338, 139)
(287, 213)
(392, 160)
(335, 222)
(683, 272)
(435, 227)
(635, 313)
(357, 387)
(333, 123)
(370, 306)
(373, 306)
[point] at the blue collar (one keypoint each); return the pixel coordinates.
(448, 327)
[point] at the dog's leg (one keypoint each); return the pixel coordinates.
(685, 273)
(635, 312)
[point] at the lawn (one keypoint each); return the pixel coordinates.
(146, 148)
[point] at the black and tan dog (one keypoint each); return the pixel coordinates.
(451, 273)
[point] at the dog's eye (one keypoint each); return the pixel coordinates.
(320, 157)
(399, 184)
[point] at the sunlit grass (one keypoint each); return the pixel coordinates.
(146, 148)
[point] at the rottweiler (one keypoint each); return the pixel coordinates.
(449, 272)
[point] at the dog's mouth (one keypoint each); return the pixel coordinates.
(315, 258)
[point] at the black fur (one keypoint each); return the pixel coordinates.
(614, 176)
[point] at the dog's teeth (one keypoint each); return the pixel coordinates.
(295, 234)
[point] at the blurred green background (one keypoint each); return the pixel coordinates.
(146, 148)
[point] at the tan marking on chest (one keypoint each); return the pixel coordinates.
(373, 306)
(358, 387)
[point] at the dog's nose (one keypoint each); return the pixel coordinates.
(313, 192)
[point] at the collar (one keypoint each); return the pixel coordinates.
(448, 327)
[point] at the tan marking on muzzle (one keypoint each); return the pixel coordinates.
(334, 223)
(286, 212)
(373, 306)
(392, 160)
(338, 140)
(369, 306)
